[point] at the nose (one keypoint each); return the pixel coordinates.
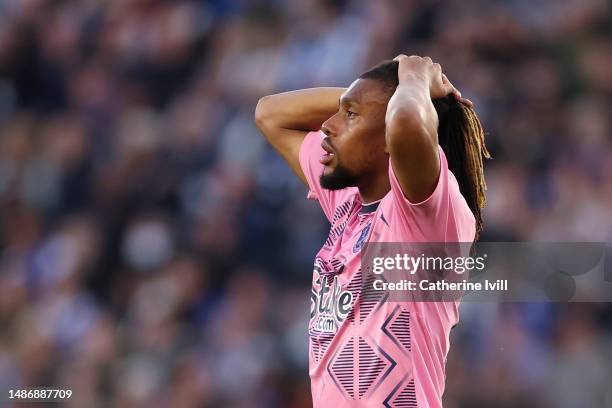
(327, 128)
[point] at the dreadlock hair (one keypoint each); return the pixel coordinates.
(461, 136)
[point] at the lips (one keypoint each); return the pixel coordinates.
(329, 155)
(326, 159)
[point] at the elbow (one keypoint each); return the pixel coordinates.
(261, 112)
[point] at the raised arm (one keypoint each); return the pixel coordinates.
(285, 118)
(411, 125)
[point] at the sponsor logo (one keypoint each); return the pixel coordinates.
(329, 304)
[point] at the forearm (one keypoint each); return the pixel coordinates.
(304, 109)
(284, 119)
(412, 139)
(410, 113)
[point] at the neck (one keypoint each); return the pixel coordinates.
(374, 187)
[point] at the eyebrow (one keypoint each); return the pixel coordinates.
(347, 101)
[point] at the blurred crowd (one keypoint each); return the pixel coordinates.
(155, 252)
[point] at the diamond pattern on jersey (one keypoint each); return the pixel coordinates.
(397, 328)
(406, 398)
(342, 369)
(371, 366)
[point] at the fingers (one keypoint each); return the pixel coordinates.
(456, 93)
(466, 102)
(447, 87)
(451, 87)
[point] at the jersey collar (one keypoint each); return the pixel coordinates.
(369, 208)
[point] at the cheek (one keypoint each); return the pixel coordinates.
(361, 148)
(355, 155)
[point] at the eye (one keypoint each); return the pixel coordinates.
(350, 114)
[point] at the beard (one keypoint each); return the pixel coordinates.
(338, 179)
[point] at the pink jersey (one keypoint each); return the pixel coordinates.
(366, 351)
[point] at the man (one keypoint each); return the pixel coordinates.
(398, 158)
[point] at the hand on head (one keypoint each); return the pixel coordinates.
(425, 68)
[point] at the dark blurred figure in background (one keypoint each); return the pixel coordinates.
(145, 251)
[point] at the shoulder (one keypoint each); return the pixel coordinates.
(443, 216)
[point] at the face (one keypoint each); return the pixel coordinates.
(355, 139)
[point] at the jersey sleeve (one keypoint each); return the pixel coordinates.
(310, 153)
(443, 217)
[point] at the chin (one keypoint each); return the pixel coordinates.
(337, 179)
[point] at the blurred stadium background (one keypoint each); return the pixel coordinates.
(155, 252)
